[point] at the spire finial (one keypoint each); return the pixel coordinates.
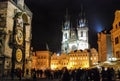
(81, 10)
(66, 16)
(67, 20)
(47, 48)
(62, 24)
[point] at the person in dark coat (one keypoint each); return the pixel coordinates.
(20, 74)
(34, 75)
(118, 73)
(65, 75)
(104, 74)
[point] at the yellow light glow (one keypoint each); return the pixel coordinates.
(53, 67)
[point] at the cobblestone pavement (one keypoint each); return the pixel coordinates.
(16, 79)
(40, 79)
(36, 80)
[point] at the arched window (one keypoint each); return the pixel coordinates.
(65, 35)
(119, 24)
(81, 33)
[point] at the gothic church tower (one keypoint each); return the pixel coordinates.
(72, 39)
(82, 31)
(65, 31)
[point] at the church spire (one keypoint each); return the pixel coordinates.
(47, 48)
(82, 22)
(81, 13)
(67, 21)
(66, 16)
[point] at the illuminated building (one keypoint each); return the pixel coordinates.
(41, 60)
(15, 37)
(34, 61)
(94, 57)
(74, 48)
(104, 46)
(75, 38)
(59, 61)
(79, 59)
(75, 59)
(115, 35)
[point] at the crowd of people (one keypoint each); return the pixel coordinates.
(93, 74)
(86, 74)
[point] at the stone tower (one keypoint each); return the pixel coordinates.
(15, 36)
(65, 31)
(82, 31)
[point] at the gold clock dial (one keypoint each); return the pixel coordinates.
(19, 55)
(19, 37)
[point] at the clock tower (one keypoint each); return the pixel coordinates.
(15, 40)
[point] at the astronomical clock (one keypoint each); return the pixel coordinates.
(19, 44)
(19, 55)
(19, 37)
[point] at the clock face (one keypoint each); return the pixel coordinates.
(18, 55)
(19, 37)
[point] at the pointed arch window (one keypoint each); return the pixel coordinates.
(116, 40)
(86, 34)
(119, 24)
(66, 36)
(116, 26)
(81, 33)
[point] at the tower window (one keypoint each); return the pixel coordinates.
(81, 33)
(65, 35)
(116, 26)
(119, 23)
(86, 34)
(116, 40)
(117, 54)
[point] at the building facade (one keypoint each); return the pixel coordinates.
(75, 59)
(59, 61)
(104, 46)
(75, 38)
(15, 35)
(41, 60)
(115, 35)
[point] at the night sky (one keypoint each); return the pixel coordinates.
(48, 16)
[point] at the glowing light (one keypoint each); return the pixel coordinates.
(53, 67)
(91, 58)
(58, 54)
(94, 58)
(99, 29)
(98, 26)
